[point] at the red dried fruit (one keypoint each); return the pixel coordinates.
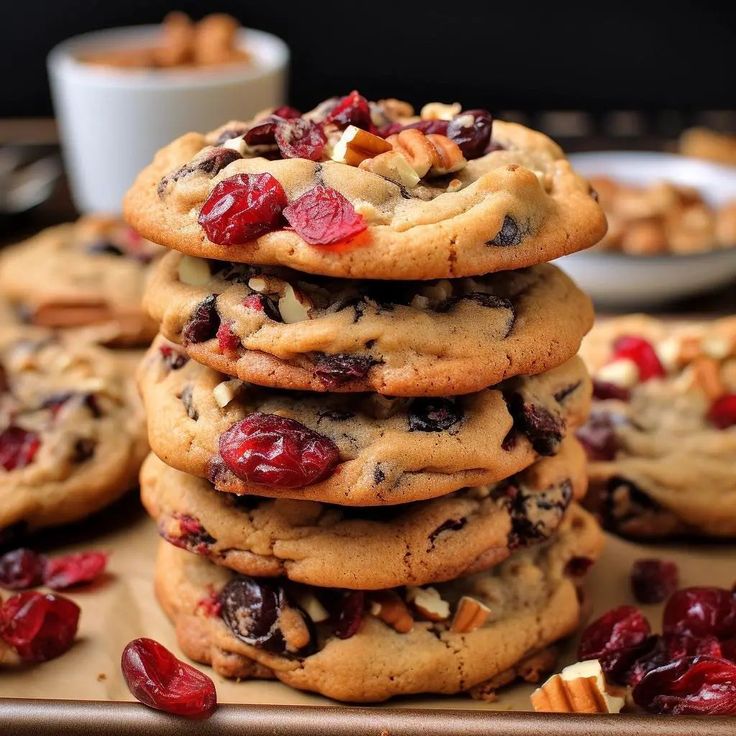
(323, 216)
(277, 451)
(642, 353)
(603, 390)
(286, 112)
(20, 569)
(18, 447)
(204, 322)
(471, 131)
(76, 569)
(700, 612)
(242, 208)
(691, 685)
(262, 303)
(352, 110)
(301, 138)
(340, 368)
(227, 340)
(263, 133)
(616, 639)
(653, 580)
(722, 413)
(39, 626)
(210, 605)
(173, 358)
(598, 437)
(192, 535)
(161, 681)
(577, 567)
(350, 614)
(426, 126)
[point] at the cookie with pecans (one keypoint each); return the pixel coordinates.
(662, 434)
(352, 449)
(277, 327)
(368, 190)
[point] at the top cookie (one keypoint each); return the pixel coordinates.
(87, 274)
(368, 190)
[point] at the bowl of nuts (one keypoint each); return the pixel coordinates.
(671, 228)
(121, 94)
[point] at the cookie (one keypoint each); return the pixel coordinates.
(368, 190)
(277, 327)
(367, 647)
(351, 449)
(331, 546)
(87, 275)
(72, 430)
(662, 434)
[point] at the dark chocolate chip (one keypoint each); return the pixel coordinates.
(433, 414)
(451, 525)
(509, 234)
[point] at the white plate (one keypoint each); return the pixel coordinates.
(636, 282)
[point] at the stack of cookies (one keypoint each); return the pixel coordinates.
(362, 419)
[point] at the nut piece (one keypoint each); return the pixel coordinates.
(440, 111)
(579, 688)
(266, 285)
(309, 603)
(356, 145)
(622, 372)
(428, 603)
(386, 605)
(470, 615)
(237, 144)
(394, 110)
(432, 154)
(705, 374)
(226, 391)
(393, 166)
(440, 291)
(294, 306)
(194, 271)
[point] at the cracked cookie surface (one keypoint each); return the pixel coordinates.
(447, 639)
(72, 431)
(319, 544)
(383, 451)
(277, 327)
(514, 202)
(662, 447)
(87, 275)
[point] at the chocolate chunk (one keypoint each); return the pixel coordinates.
(433, 414)
(186, 399)
(211, 162)
(509, 234)
(543, 429)
(446, 526)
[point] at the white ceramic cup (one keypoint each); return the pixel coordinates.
(113, 120)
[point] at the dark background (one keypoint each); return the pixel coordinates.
(653, 56)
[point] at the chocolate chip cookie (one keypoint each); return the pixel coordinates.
(356, 189)
(369, 646)
(332, 546)
(87, 275)
(72, 431)
(277, 327)
(351, 449)
(662, 434)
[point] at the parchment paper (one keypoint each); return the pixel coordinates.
(122, 607)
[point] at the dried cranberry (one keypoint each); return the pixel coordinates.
(20, 569)
(227, 340)
(722, 413)
(598, 438)
(349, 614)
(339, 369)
(471, 130)
(262, 303)
(286, 112)
(242, 208)
(426, 126)
(602, 390)
(616, 639)
(192, 535)
(210, 605)
(653, 581)
(322, 216)
(18, 447)
(204, 323)
(543, 429)
(301, 138)
(161, 681)
(263, 133)
(39, 626)
(692, 685)
(173, 358)
(352, 110)
(700, 612)
(642, 353)
(433, 414)
(577, 567)
(76, 569)
(277, 451)
(252, 610)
